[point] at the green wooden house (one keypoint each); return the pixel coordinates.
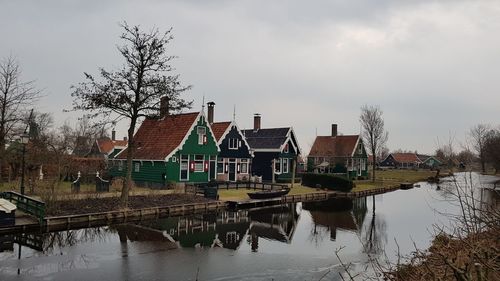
(172, 149)
(339, 154)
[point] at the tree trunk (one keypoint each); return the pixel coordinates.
(373, 167)
(128, 177)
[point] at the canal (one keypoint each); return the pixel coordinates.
(290, 242)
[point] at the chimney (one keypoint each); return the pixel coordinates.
(256, 122)
(164, 106)
(113, 135)
(210, 106)
(334, 130)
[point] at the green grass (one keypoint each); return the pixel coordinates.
(389, 178)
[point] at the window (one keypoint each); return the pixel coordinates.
(220, 166)
(360, 149)
(233, 143)
(198, 163)
(184, 167)
(363, 164)
(244, 166)
(285, 165)
(202, 131)
(277, 166)
(137, 167)
(120, 165)
(174, 159)
(285, 150)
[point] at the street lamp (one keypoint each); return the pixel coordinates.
(24, 140)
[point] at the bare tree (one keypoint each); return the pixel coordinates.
(478, 135)
(135, 90)
(15, 96)
(492, 149)
(373, 133)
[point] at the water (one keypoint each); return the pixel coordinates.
(292, 242)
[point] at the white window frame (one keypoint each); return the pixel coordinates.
(232, 144)
(287, 162)
(120, 165)
(244, 163)
(202, 131)
(197, 160)
(277, 163)
(137, 167)
(286, 149)
(220, 161)
(181, 160)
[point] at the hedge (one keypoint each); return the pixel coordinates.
(327, 181)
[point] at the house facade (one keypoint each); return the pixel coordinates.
(234, 161)
(171, 149)
(342, 155)
(107, 148)
(275, 151)
(402, 161)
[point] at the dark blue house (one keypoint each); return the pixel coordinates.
(234, 161)
(275, 151)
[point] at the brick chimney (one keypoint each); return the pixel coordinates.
(113, 135)
(334, 130)
(256, 122)
(210, 108)
(164, 106)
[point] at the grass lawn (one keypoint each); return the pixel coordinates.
(241, 194)
(388, 178)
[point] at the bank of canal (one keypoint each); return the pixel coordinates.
(288, 242)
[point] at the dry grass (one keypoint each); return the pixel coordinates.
(390, 178)
(241, 193)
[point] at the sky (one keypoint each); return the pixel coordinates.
(433, 67)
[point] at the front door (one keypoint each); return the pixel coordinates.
(213, 167)
(232, 170)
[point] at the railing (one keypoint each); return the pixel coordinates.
(26, 204)
(247, 185)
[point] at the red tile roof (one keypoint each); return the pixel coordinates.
(339, 146)
(157, 138)
(107, 145)
(406, 157)
(219, 129)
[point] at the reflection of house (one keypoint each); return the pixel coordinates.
(334, 214)
(234, 159)
(275, 151)
(345, 155)
(276, 223)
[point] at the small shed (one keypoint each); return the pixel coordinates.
(7, 213)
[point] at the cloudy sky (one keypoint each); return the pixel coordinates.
(432, 66)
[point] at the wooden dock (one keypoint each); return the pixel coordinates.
(113, 217)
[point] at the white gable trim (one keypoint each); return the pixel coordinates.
(355, 146)
(195, 122)
(228, 129)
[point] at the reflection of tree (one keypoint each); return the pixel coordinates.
(374, 235)
(69, 238)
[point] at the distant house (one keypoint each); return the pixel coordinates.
(343, 155)
(402, 161)
(107, 148)
(275, 151)
(234, 161)
(428, 161)
(172, 148)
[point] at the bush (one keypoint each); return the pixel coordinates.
(330, 182)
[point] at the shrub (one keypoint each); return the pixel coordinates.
(330, 182)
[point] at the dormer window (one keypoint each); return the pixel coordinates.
(202, 135)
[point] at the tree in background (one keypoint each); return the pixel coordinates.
(135, 90)
(373, 131)
(15, 96)
(492, 149)
(478, 135)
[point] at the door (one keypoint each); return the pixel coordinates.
(212, 167)
(360, 167)
(232, 170)
(184, 167)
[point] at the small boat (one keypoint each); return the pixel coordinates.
(266, 194)
(406, 185)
